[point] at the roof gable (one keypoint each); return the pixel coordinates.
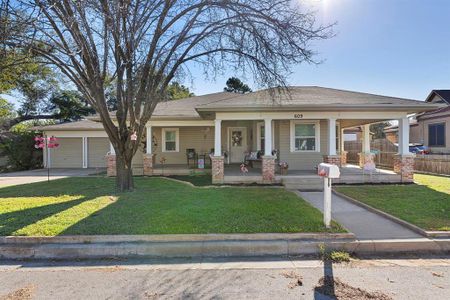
(443, 95)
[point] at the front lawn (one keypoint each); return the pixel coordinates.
(87, 205)
(425, 204)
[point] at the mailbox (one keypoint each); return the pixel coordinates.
(328, 170)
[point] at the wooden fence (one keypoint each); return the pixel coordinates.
(385, 152)
(433, 163)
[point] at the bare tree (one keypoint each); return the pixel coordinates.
(144, 45)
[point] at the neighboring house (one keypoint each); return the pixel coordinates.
(355, 134)
(305, 126)
(431, 128)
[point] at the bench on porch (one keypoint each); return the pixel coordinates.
(256, 156)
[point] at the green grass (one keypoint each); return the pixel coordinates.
(74, 206)
(425, 204)
(197, 180)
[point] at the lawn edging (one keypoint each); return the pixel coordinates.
(415, 228)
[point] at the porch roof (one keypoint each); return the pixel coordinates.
(313, 98)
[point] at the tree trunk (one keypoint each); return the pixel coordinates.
(124, 174)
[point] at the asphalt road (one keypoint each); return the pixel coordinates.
(227, 279)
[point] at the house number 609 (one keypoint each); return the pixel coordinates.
(298, 116)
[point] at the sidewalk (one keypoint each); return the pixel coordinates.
(364, 224)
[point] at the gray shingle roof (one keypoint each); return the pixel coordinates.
(298, 97)
(77, 125)
(310, 96)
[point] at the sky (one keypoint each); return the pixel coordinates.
(390, 47)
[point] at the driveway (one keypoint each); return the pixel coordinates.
(22, 177)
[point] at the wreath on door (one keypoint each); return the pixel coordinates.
(236, 138)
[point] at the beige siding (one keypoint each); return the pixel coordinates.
(68, 154)
(415, 134)
(200, 138)
(300, 160)
(97, 149)
(424, 128)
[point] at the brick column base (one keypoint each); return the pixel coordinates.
(332, 159)
(149, 162)
(366, 158)
(268, 169)
(111, 165)
(343, 158)
(404, 165)
(217, 169)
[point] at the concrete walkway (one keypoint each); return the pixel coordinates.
(30, 176)
(364, 224)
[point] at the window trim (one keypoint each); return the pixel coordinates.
(317, 134)
(177, 139)
(445, 132)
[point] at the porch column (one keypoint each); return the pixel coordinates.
(268, 160)
(342, 151)
(148, 157)
(217, 137)
(331, 157)
(84, 147)
(111, 161)
(366, 158)
(217, 161)
(404, 160)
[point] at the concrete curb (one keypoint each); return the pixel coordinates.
(87, 239)
(214, 248)
(429, 234)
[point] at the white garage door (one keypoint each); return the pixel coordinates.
(97, 149)
(68, 154)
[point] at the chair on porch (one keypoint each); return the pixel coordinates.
(191, 155)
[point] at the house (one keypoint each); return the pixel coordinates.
(355, 134)
(304, 125)
(430, 128)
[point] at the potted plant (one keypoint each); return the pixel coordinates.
(283, 167)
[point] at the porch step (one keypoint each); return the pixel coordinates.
(303, 183)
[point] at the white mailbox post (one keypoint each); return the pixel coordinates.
(327, 171)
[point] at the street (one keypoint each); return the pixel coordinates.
(413, 278)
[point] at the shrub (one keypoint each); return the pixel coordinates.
(18, 147)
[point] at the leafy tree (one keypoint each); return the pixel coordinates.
(69, 105)
(378, 129)
(235, 85)
(6, 109)
(147, 44)
(178, 91)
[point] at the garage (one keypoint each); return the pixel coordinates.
(98, 147)
(68, 154)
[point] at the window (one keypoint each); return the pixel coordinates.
(305, 136)
(170, 140)
(436, 135)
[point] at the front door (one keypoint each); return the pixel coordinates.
(237, 143)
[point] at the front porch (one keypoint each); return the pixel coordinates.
(350, 174)
(263, 142)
